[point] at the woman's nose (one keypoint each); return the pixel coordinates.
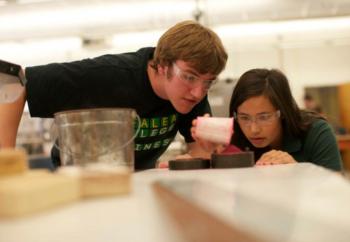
(254, 128)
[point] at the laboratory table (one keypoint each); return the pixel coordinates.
(295, 202)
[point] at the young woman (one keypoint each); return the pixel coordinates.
(268, 121)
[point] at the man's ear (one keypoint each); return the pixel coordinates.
(162, 70)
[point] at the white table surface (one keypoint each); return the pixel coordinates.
(298, 202)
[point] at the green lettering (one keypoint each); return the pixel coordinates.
(154, 132)
(147, 146)
(155, 122)
(156, 144)
(144, 123)
(166, 142)
(163, 130)
(171, 127)
(143, 133)
(138, 147)
(173, 118)
(165, 121)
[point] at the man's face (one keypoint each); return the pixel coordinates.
(185, 87)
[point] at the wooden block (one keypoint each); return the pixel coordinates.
(34, 191)
(189, 164)
(100, 182)
(232, 160)
(13, 161)
(103, 184)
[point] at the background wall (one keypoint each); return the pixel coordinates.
(309, 58)
(309, 39)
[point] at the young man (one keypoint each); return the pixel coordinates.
(166, 85)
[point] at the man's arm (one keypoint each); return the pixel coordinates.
(196, 151)
(10, 116)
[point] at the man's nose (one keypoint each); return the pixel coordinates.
(198, 92)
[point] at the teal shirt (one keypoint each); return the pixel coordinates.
(319, 146)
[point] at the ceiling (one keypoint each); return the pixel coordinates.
(23, 19)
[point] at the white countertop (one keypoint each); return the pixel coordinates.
(298, 202)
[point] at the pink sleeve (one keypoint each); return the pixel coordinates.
(231, 149)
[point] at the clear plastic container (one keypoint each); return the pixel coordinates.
(217, 130)
(97, 138)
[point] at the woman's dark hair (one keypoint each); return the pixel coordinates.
(274, 85)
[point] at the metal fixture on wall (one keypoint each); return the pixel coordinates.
(198, 12)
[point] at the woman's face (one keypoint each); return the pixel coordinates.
(260, 122)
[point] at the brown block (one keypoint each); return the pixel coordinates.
(13, 161)
(34, 191)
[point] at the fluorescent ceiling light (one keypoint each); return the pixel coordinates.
(282, 27)
(146, 38)
(232, 4)
(32, 1)
(90, 15)
(27, 49)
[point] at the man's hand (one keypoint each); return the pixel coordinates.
(10, 116)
